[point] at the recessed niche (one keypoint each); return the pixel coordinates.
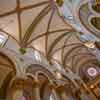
(95, 21)
(95, 4)
(96, 8)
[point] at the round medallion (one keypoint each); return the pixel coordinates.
(92, 72)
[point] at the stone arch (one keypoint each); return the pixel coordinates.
(6, 60)
(44, 77)
(21, 85)
(34, 68)
(9, 55)
(7, 71)
(44, 86)
(47, 88)
(81, 59)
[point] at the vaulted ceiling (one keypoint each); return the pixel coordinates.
(35, 24)
(41, 25)
(62, 31)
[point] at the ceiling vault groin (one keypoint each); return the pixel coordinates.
(25, 41)
(43, 55)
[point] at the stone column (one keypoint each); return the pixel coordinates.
(62, 93)
(55, 95)
(54, 92)
(36, 91)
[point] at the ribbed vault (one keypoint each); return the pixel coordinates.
(61, 70)
(38, 25)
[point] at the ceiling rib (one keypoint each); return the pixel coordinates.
(47, 32)
(57, 40)
(66, 40)
(1, 30)
(72, 50)
(35, 22)
(8, 13)
(43, 34)
(19, 20)
(23, 8)
(63, 47)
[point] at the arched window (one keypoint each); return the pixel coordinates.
(3, 39)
